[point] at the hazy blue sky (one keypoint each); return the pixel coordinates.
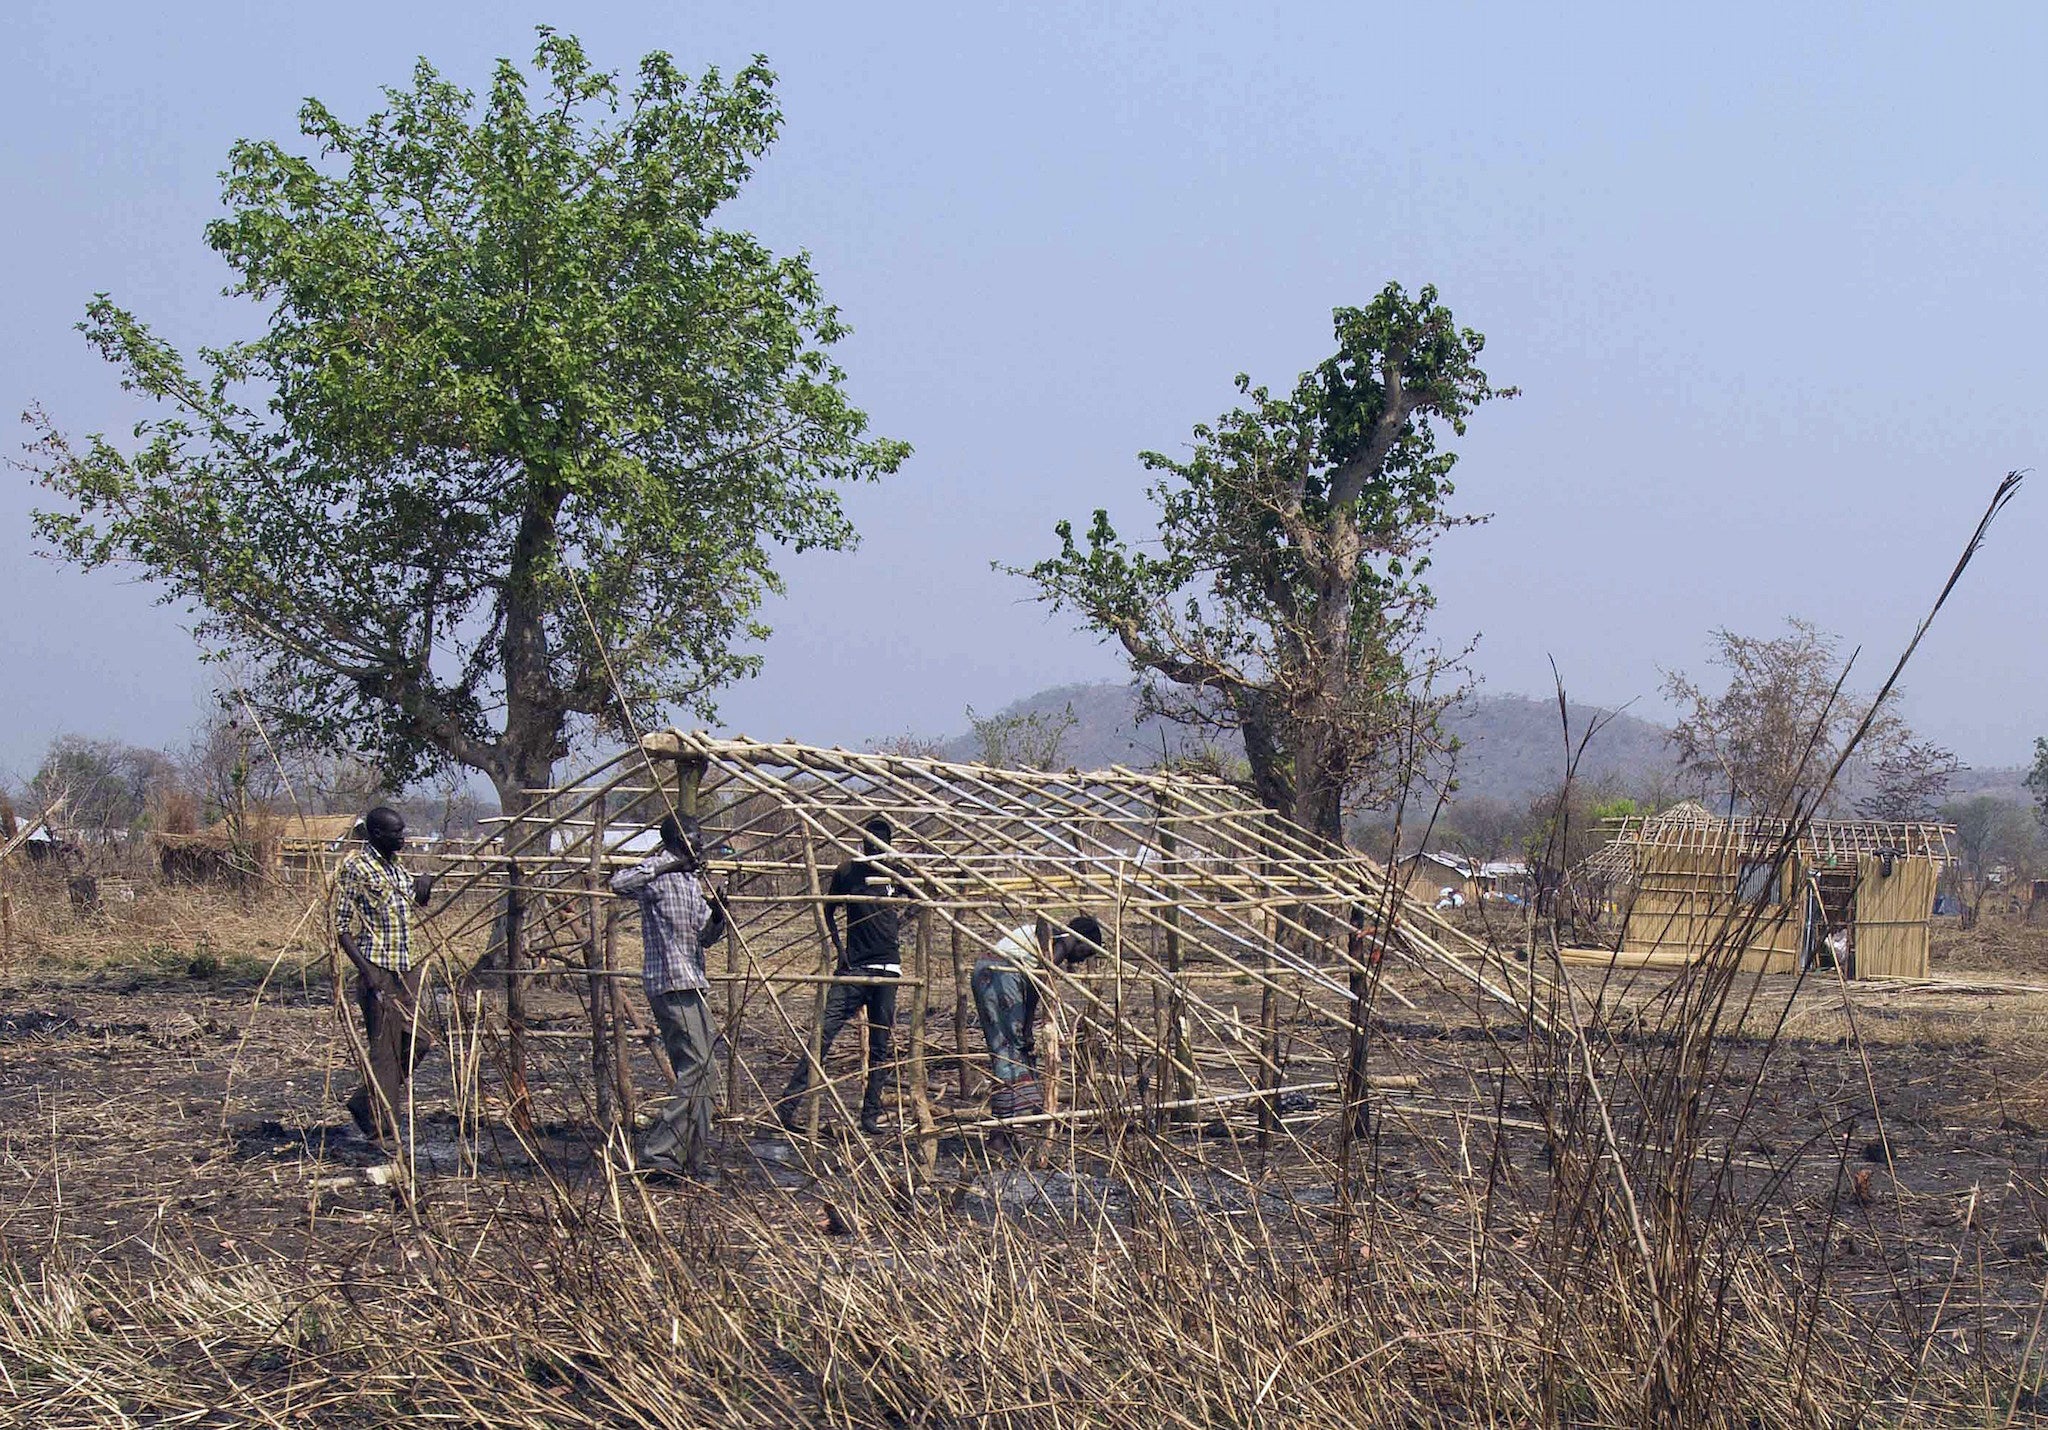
(1768, 276)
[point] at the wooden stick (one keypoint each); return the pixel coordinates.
(622, 1059)
(600, 991)
(970, 1080)
(815, 1087)
(920, 1100)
(517, 1098)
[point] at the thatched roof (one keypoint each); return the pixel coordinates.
(317, 828)
(1688, 826)
(293, 830)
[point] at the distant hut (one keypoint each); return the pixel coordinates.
(256, 846)
(1426, 875)
(225, 853)
(1859, 893)
(314, 843)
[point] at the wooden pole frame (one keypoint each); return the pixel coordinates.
(1200, 890)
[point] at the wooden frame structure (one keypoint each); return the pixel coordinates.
(1690, 883)
(1230, 984)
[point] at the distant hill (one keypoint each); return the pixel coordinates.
(1513, 749)
(1106, 727)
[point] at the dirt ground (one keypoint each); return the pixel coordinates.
(178, 1084)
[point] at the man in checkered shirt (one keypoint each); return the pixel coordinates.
(676, 921)
(373, 902)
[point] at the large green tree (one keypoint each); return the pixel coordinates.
(1283, 601)
(520, 434)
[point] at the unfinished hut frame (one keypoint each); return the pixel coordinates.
(1231, 987)
(1689, 884)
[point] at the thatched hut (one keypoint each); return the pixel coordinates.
(1857, 893)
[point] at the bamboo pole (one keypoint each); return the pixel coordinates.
(622, 1056)
(920, 1099)
(1049, 1051)
(518, 1100)
(1269, 1044)
(815, 1087)
(1182, 1079)
(600, 990)
(970, 1079)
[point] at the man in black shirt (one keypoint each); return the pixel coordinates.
(869, 950)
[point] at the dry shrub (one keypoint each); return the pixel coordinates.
(173, 810)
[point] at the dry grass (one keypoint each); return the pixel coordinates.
(614, 1306)
(1463, 1274)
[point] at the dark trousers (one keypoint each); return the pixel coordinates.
(879, 999)
(680, 1138)
(387, 1001)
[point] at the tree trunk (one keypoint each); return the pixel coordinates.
(534, 717)
(1298, 783)
(1264, 751)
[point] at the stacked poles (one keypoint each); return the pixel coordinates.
(1202, 895)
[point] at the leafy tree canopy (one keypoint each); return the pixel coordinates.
(1284, 600)
(523, 427)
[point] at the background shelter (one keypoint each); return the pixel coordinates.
(1426, 874)
(1858, 891)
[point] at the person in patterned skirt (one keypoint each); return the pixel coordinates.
(1006, 1000)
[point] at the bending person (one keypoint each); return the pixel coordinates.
(676, 920)
(870, 949)
(1006, 1001)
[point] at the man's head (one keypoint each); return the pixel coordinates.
(682, 836)
(879, 832)
(1082, 939)
(384, 830)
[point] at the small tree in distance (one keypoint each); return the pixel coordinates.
(1032, 740)
(1909, 781)
(2037, 781)
(1285, 602)
(1772, 734)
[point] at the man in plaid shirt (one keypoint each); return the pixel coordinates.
(676, 921)
(373, 904)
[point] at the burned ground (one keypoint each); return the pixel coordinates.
(161, 1130)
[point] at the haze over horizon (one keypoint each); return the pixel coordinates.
(1768, 303)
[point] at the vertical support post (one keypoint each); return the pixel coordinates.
(1353, 1123)
(732, 1018)
(1181, 1074)
(1050, 1057)
(1113, 1038)
(6, 930)
(920, 1100)
(622, 1055)
(1269, 1031)
(963, 1014)
(827, 967)
(594, 964)
(519, 1102)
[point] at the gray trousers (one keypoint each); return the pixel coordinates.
(681, 1136)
